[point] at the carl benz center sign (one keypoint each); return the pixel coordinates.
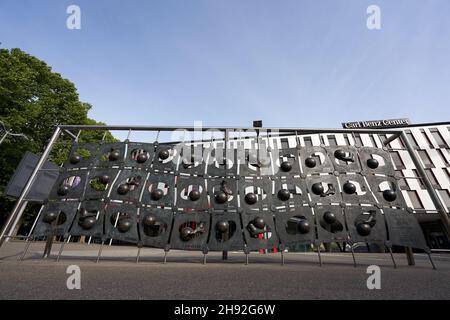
(377, 124)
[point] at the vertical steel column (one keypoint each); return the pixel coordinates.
(431, 191)
(15, 212)
(227, 137)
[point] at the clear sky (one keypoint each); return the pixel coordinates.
(228, 62)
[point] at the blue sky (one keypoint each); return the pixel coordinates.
(227, 62)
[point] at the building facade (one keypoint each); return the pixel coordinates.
(431, 141)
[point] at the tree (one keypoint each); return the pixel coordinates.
(33, 101)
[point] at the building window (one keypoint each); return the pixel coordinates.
(438, 138)
(402, 181)
(415, 200)
(347, 141)
(372, 138)
(425, 158)
(332, 141)
(427, 139)
(411, 139)
(397, 160)
(445, 197)
(358, 141)
(284, 143)
(308, 141)
(419, 179)
(432, 177)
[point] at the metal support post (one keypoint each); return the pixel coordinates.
(410, 256)
(61, 248)
(353, 256)
(392, 257)
(138, 254)
(318, 252)
(100, 251)
(48, 246)
(431, 261)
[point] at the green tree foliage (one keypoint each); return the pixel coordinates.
(33, 101)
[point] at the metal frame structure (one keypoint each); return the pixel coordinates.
(17, 211)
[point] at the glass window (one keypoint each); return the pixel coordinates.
(415, 200)
(372, 139)
(425, 158)
(347, 141)
(284, 143)
(332, 141)
(427, 139)
(402, 181)
(411, 139)
(438, 138)
(397, 160)
(416, 174)
(308, 141)
(432, 177)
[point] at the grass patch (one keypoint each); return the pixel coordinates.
(84, 153)
(97, 185)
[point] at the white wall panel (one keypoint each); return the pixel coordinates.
(436, 158)
(421, 142)
(406, 158)
(366, 140)
(340, 139)
(441, 177)
(426, 200)
(316, 140)
(446, 154)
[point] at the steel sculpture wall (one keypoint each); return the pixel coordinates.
(248, 199)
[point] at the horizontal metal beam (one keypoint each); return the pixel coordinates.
(192, 128)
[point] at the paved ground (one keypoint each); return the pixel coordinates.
(117, 276)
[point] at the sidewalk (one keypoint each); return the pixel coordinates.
(118, 276)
